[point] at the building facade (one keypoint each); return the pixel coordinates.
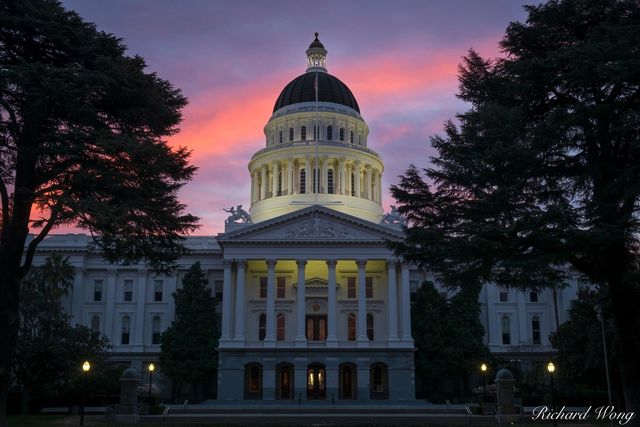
(314, 305)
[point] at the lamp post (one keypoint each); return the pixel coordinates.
(552, 368)
(151, 369)
(85, 370)
(483, 369)
(598, 309)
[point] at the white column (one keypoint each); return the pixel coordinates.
(356, 176)
(141, 293)
(341, 176)
(269, 339)
(263, 182)
(332, 338)
(405, 299)
(301, 339)
(274, 179)
(379, 187)
(324, 176)
(290, 172)
(309, 176)
(78, 295)
(362, 304)
(227, 302)
(392, 302)
(110, 303)
(240, 303)
(367, 183)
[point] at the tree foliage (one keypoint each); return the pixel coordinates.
(540, 178)
(82, 142)
(50, 351)
(188, 347)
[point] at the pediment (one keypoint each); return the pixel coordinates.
(313, 224)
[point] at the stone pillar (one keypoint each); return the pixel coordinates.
(141, 292)
(363, 340)
(379, 186)
(78, 295)
(324, 176)
(240, 303)
(367, 190)
(405, 303)
(129, 382)
(110, 290)
(227, 302)
(392, 302)
(290, 172)
(504, 393)
(274, 179)
(301, 339)
(332, 339)
(270, 339)
(308, 176)
(356, 176)
(263, 182)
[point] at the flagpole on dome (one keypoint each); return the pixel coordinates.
(316, 61)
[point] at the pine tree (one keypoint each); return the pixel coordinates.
(188, 347)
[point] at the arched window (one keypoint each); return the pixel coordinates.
(303, 181)
(303, 133)
(329, 133)
(330, 181)
(353, 184)
(348, 381)
(535, 330)
(370, 326)
(351, 327)
(155, 333)
(284, 381)
(95, 324)
(262, 326)
(280, 327)
(379, 381)
(280, 137)
(506, 330)
(253, 381)
(351, 137)
(126, 326)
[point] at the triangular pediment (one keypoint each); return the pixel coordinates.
(313, 224)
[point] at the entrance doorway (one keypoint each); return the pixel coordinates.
(348, 381)
(316, 386)
(284, 374)
(317, 327)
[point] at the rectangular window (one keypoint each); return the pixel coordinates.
(369, 287)
(218, 286)
(128, 290)
(97, 289)
(351, 287)
(506, 330)
(290, 134)
(263, 288)
(341, 134)
(303, 133)
(155, 333)
(126, 324)
(157, 290)
(535, 330)
(533, 297)
(303, 181)
(504, 296)
(370, 327)
(262, 326)
(351, 327)
(351, 137)
(280, 325)
(280, 137)
(281, 287)
(329, 133)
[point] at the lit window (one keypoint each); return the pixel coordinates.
(262, 326)
(370, 327)
(95, 324)
(369, 287)
(97, 290)
(128, 290)
(155, 333)
(329, 133)
(504, 296)
(281, 287)
(533, 297)
(351, 287)
(280, 324)
(341, 134)
(330, 181)
(535, 330)
(290, 134)
(303, 181)
(126, 326)
(263, 287)
(506, 330)
(303, 133)
(157, 290)
(351, 327)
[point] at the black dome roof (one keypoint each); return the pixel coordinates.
(330, 89)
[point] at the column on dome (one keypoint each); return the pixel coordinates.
(290, 172)
(379, 186)
(301, 339)
(269, 339)
(308, 175)
(332, 339)
(405, 299)
(275, 170)
(240, 303)
(392, 302)
(367, 192)
(362, 304)
(227, 301)
(342, 176)
(356, 176)
(325, 175)
(263, 182)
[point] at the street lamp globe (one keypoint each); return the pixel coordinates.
(86, 366)
(483, 367)
(151, 367)
(551, 367)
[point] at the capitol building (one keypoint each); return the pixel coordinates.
(313, 303)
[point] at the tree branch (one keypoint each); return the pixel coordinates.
(5, 205)
(13, 128)
(31, 250)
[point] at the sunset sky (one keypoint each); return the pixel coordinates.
(232, 59)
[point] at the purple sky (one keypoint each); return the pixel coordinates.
(232, 59)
